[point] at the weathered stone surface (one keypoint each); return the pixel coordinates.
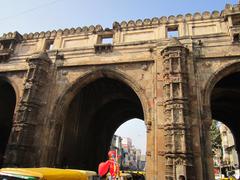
(73, 91)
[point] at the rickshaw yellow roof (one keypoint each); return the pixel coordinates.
(50, 173)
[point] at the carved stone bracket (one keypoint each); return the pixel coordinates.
(103, 48)
(161, 153)
(149, 126)
(148, 153)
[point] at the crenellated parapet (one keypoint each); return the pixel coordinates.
(231, 9)
(7, 45)
(52, 34)
(206, 25)
(232, 15)
(167, 20)
(131, 24)
(11, 36)
(206, 15)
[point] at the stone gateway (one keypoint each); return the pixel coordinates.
(64, 93)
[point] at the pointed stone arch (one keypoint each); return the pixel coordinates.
(61, 106)
(7, 102)
(69, 93)
(217, 76)
(207, 112)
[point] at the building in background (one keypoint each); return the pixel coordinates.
(116, 143)
(131, 157)
(229, 157)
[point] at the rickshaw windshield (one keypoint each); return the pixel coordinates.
(4, 176)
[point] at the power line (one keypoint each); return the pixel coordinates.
(29, 10)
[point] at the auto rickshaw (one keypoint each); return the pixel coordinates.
(45, 174)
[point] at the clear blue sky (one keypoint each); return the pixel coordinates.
(34, 15)
(136, 130)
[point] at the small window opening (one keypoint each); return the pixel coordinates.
(236, 20)
(5, 45)
(172, 31)
(236, 38)
(105, 39)
(108, 40)
(49, 44)
(1, 46)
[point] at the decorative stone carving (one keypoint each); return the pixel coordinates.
(27, 121)
(176, 104)
(7, 44)
(149, 126)
(103, 48)
(148, 153)
(161, 153)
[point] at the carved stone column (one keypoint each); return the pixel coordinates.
(25, 139)
(206, 143)
(178, 153)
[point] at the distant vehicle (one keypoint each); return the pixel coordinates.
(135, 175)
(46, 174)
(123, 176)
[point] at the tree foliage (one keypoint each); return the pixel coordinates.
(215, 136)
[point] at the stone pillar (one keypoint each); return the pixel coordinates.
(24, 145)
(207, 155)
(178, 155)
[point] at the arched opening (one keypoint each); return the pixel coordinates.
(7, 104)
(130, 141)
(225, 98)
(93, 116)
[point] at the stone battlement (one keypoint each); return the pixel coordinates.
(96, 39)
(138, 24)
